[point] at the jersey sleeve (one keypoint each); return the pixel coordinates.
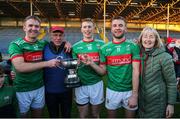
(135, 52)
(74, 54)
(102, 56)
(15, 51)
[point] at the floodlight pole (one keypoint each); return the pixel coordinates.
(168, 21)
(104, 20)
(31, 7)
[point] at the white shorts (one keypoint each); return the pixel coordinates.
(34, 99)
(92, 94)
(115, 100)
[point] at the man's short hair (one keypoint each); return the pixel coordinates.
(32, 17)
(87, 20)
(119, 18)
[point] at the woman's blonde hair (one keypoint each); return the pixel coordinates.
(158, 42)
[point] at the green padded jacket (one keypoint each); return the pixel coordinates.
(157, 83)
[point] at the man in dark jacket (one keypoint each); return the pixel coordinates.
(57, 96)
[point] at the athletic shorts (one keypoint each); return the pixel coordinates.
(92, 94)
(31, 99)
(115, 100)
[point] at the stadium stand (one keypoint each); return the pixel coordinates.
(71, 34)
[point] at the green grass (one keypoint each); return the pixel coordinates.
(103, 112)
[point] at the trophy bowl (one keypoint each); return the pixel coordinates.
(71, 80)
(70, 63)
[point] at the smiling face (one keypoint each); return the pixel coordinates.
(87, 29)
(118, 28)
(148, 39)
(31, 28)
(57, 38)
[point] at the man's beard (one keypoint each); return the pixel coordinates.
(119, 37)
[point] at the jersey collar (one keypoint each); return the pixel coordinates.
(119, 42)
(25, 39)
(88, 41)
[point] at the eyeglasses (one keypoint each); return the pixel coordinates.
(2, 76)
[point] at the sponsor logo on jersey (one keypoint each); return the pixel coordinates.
(36, 47)
(93, 55)
(119, 60)
(26, 47)
(89, 47)
(33, 56)
(98, 46)
(108, 50)
(6, 98)
(79, 48)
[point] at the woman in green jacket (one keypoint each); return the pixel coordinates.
(157, 92)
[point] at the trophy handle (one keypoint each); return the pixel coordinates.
(60, 58)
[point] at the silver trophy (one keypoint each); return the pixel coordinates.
(71, 80)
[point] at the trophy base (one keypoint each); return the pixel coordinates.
(72, 85)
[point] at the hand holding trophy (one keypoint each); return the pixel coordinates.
(71, 80)
(86, 59)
